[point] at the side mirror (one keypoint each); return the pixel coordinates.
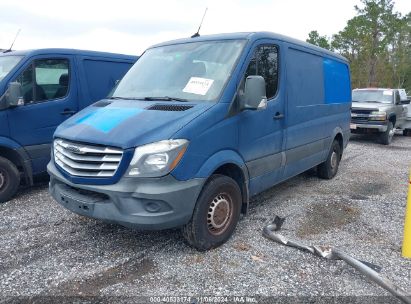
(406, 101)
(14, 95)
(254, 93)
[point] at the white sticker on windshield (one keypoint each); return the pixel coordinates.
(387, 92)
(197, 85)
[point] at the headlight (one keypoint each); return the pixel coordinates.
(157, 159)
(376, 115)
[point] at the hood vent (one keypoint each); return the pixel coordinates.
(102, 104)
(169, 107)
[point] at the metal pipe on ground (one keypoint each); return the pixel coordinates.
(327, 252)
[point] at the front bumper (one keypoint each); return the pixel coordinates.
(142, 203)
(376, 127)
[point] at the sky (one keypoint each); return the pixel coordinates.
(129, 27)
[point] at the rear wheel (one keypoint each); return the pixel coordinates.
(9, 179)
(329, 168)
(386, 137)
(215, 215)
(407, 132)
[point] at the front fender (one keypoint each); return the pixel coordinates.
(9, 143)
(222, 158)
(14, 150)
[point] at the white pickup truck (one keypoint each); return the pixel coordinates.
(377, 110)
(407, 124)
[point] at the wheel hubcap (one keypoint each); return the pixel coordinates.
(2, 180)
(334, 159)
(219, 214)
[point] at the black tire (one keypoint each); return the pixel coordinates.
(329, 168)
(407, 132)
(221, 196)
(9, 179)
(387, 136)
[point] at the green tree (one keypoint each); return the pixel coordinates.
(381, 24)
(400, 53)
(350, 43)
(377, 43)
(316, 39)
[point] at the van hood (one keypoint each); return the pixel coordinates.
(129, 123)
(375, 106)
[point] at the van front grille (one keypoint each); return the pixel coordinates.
(86, 160)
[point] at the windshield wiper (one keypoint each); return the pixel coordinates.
(165, 98)
(125, 98)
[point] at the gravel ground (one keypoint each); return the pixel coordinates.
(46, 250)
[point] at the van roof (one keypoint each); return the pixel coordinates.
(252, 36)
(69, 52)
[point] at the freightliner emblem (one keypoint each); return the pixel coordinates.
(74, 149)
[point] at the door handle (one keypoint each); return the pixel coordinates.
(68, 112)
(278, 115)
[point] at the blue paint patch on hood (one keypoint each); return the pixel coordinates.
(106, 119)
(128, 123)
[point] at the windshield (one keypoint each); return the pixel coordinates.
(7, 63)
(380, 96)
(182, 72)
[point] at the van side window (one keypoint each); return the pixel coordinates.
(265, 64)
(45, 79)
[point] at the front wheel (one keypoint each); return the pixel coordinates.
(386, 137)
(9, 179)
(329, 168)
(215, 215)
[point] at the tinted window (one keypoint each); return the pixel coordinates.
(45, 79)
(265, 64)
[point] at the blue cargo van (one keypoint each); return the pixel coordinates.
(39, 89)
(197, 127)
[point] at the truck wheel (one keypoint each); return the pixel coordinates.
(9, 179)
(386, 137)
(329, 168)
(215, 215)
